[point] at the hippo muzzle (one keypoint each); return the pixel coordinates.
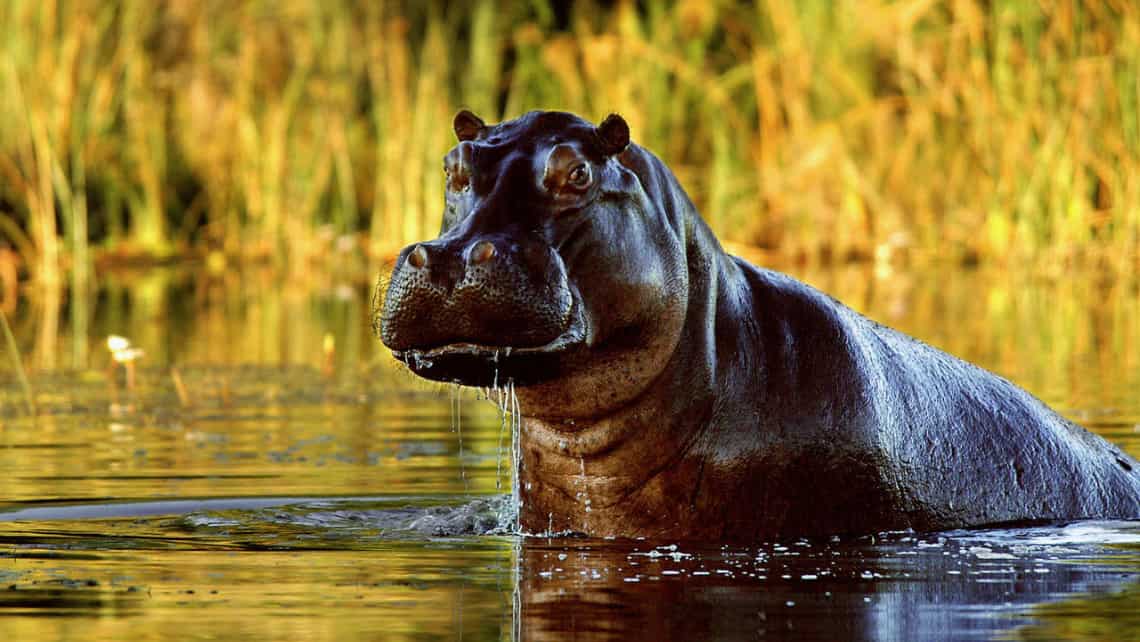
(479, 310)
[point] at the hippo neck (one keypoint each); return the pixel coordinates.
(622, 471)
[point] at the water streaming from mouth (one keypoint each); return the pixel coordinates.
(457, 428)
(510, 416)
(516, 454)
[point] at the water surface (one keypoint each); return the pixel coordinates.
(272, 473)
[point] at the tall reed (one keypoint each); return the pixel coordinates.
(995, 130)
(17, 364)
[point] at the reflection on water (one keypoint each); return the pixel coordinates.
(952, 586)
(273, 473)
(352, 570)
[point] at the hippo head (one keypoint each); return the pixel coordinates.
(553, 266)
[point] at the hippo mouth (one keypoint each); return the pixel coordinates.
(488, 366)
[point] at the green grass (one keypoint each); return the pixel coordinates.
(999, 131)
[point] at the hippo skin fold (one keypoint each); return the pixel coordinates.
(668, 389)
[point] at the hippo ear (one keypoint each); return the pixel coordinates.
(468, 126)
(613, 134)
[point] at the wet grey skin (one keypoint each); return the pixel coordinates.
(669, 389)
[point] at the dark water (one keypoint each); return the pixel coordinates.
(272, 474)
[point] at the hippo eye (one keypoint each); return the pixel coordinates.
(579, 176)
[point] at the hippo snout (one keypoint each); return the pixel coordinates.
(490, 291)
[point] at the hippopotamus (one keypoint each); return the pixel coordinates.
(669, 389)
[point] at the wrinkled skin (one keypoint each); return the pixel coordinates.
(669, 389)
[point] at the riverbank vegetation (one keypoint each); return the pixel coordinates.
(299, 130)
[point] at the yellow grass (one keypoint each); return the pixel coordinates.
(997, 131)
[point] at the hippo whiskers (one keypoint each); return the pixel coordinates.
(667, 389)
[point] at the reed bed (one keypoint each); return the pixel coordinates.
(999, 130)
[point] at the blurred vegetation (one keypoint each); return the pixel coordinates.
(998, 130)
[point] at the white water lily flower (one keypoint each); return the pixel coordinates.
(130, 354)
(121, 350)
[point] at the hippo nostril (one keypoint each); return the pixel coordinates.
(481, 252)
(418, 257)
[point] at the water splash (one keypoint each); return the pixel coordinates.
(483, 516)
(302, 523)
